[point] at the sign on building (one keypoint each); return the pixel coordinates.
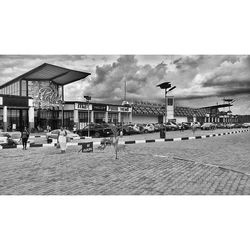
(99, 107)
(82, 106)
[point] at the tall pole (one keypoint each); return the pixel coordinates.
(165, 111)
(88, 118)
(62, 106)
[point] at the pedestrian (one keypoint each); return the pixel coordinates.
(62, 139)
(25, 136)
(193, 127)
(74, 129)
(48, 128)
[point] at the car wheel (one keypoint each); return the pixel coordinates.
(146, 131)
(97, 134)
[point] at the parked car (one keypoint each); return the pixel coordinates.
(230, 125)
(238, 125)
(96, 130)
(196, 124)
(157, 127)
(54, 135)
(208, 126)
(246, 125)
(148, 128)
(186, 125)
(221, 125)
(170, 126)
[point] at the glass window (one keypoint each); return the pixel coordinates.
(24, 88)
(170, 101)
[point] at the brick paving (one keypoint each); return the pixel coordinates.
(198, 167)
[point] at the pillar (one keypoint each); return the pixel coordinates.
(31, 117)
(92, 116)
(130, 117)
(76, 118)
(119, 117)
(106, 117)
(5, 115)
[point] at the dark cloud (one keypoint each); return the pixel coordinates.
(109, 80)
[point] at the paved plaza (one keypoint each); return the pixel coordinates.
(211, 166)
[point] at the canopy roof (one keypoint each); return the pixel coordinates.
(50, 72)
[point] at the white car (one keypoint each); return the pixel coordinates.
(54, 135)
(246, 125)
(149, 128)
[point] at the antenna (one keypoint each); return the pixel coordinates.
(125, 90)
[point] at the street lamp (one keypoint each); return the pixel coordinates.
(88, 98)
(167, 87)
(62, 113)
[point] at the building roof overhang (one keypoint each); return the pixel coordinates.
(50, 72)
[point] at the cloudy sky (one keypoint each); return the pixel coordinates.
(200, 80)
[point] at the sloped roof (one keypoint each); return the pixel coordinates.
(50, 72)
(159, 110)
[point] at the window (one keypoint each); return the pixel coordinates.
(170, 101)
(24, 88)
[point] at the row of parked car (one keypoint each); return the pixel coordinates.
(102, 130)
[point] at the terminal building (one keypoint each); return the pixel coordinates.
(36, 100)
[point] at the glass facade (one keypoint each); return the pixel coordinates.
(17, 119)
(1, 118)
(113, 118)
(68, 120)
(99, 117)
(13, 89)
(43, 118)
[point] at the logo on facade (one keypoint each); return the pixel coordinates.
(49, 96)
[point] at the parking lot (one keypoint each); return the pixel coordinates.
(216, 165)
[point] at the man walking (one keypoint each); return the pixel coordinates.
(25, 136)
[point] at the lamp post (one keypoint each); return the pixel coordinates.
(62, 113)
(88, 98)
(167, 87)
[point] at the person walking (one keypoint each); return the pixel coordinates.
(74, 129)
(62, 139)
(25, 136)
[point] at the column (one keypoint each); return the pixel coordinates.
(76, 118)
(5, 115)
(31, 117)
(119, 117)
(130, 117)
(92, 116)
(106, 116)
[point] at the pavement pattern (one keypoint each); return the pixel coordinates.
(213, 166)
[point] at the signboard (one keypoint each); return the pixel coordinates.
(124, 109)
(87, 147)
(17, 101)
(113, 108)
(83, 106)
(99, 107)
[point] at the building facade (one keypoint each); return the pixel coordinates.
(36, 100)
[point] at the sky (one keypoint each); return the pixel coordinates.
(200, 80)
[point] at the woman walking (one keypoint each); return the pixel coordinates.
(25, 136)
(62, 139)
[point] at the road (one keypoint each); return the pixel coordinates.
(211, 166)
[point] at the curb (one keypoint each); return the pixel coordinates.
(184, 138)
(128, 142)
(44, 136)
